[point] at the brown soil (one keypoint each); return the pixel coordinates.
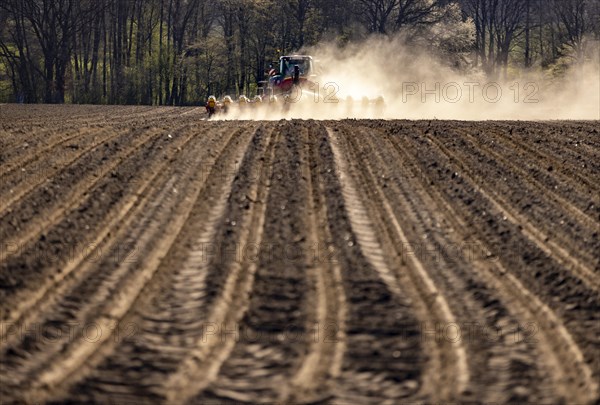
(150, 255)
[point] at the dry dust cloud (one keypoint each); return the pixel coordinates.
(414, 85)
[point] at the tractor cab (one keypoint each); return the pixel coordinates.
(295, 70)
(287, 65)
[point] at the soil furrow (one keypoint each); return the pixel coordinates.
(25, 177)
(174, 320)
(570, 249)
(545, 335)
(322, 364)
(106, 289)
(382, 359)
(240, 230)
(546, 289)
(48, 204)
(275, 332)
(215, 150)
(573, 169)
(151, 255)
(541, 181)
(447, 361)
(32, 148)
(76, 238)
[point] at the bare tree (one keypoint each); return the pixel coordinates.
(412, 13)
(377, 13)
(574, 19)
(175, 51)
(507, 27)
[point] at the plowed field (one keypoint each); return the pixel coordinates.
(150, 255)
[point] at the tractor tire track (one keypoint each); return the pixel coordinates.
(184, 306)
(19, 227)
(322, 364)
(15, 184)
(567, 202)
(572, 170)
(447, 361)
(452, 364)
(382, 359)
(60, 250)
(568, 343)
(567, 250)
(557, 351)
(295, 261)
(278, 341)
(107, 288)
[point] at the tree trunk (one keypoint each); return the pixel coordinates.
(527, 34)
(49, 78)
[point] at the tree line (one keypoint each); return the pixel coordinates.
(177, 52)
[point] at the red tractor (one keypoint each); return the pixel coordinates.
(296, 70)
(296, 74)
(297, 81)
